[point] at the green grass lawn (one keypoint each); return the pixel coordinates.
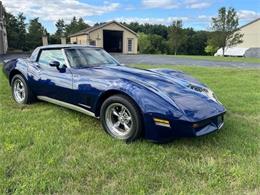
(48, 149)
(221, 58)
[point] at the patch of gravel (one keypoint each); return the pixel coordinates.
(172, 60)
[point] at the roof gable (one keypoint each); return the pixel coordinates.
(254, 21)
(93, 28)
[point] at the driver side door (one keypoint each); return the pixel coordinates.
(49, 81)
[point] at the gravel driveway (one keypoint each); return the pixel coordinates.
(161, 60)
(172, 60)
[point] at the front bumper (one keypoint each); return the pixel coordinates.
(179, 128)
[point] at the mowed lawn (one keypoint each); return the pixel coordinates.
(48, 149)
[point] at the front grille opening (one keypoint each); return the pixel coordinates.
(197, 88)
(200, 125)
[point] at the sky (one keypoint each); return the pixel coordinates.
(194, 13)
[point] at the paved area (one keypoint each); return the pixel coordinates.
(172, 60)
(161, 60)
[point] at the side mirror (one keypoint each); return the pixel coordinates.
(54, 63)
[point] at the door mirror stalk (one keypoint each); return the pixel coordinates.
(54, 64)
(61, 68)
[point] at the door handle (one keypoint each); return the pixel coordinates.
(37, 68)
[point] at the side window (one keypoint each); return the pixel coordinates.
(48, 56)
(34, 55)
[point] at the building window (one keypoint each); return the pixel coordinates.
(130, 45)
(92, 42)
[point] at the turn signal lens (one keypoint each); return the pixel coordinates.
(162, 122)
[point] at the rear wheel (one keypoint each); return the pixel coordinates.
(20, 90)
(121, 118)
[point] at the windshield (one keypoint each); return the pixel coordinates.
(88, 57)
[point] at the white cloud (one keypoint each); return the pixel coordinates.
(165, 21)
(248, 15)
(169, 4)
(166, 4)
(244, 16)
(49, 10)
(196, 4)
(205, 18)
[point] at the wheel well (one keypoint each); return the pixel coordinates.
(108, 94)
(13, 72)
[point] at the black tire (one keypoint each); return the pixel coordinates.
(28, 95)
(136, 118)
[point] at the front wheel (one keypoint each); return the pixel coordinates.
(21, 92)
(121, 118)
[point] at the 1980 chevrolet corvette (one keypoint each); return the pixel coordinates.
(158, 104)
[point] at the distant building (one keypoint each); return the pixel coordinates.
(251, 41)
(251, 33)
(112, 36)
(3, 34)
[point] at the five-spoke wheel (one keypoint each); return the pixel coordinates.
(21, 92)
(121, 118)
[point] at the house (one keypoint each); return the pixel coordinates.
(250, 47)
(3, 34)
(112, 36)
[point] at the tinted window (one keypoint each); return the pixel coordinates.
(48, 56)
(86, 57)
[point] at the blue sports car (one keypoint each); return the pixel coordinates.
(156, 104)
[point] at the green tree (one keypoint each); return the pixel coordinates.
(143, 43)
(21, 26)
(157, 29)
(35, 33)
(72, 26)
(75, 26)
(176, 36)
(16, 31)
(82, 24)
(152, 44)
(60, 25)
(193, 42)
(211, 49)
(56, 37)
(12, 30)
(212, 43)
(226, 27)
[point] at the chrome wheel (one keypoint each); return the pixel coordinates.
(19, 91)
(119, 121)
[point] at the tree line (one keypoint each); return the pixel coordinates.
(153, 38)
(23, 36)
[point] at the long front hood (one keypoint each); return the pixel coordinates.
(174, 87)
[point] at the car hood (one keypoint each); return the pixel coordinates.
(191, 97)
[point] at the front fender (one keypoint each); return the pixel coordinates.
(148, 101)
(151, 105)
